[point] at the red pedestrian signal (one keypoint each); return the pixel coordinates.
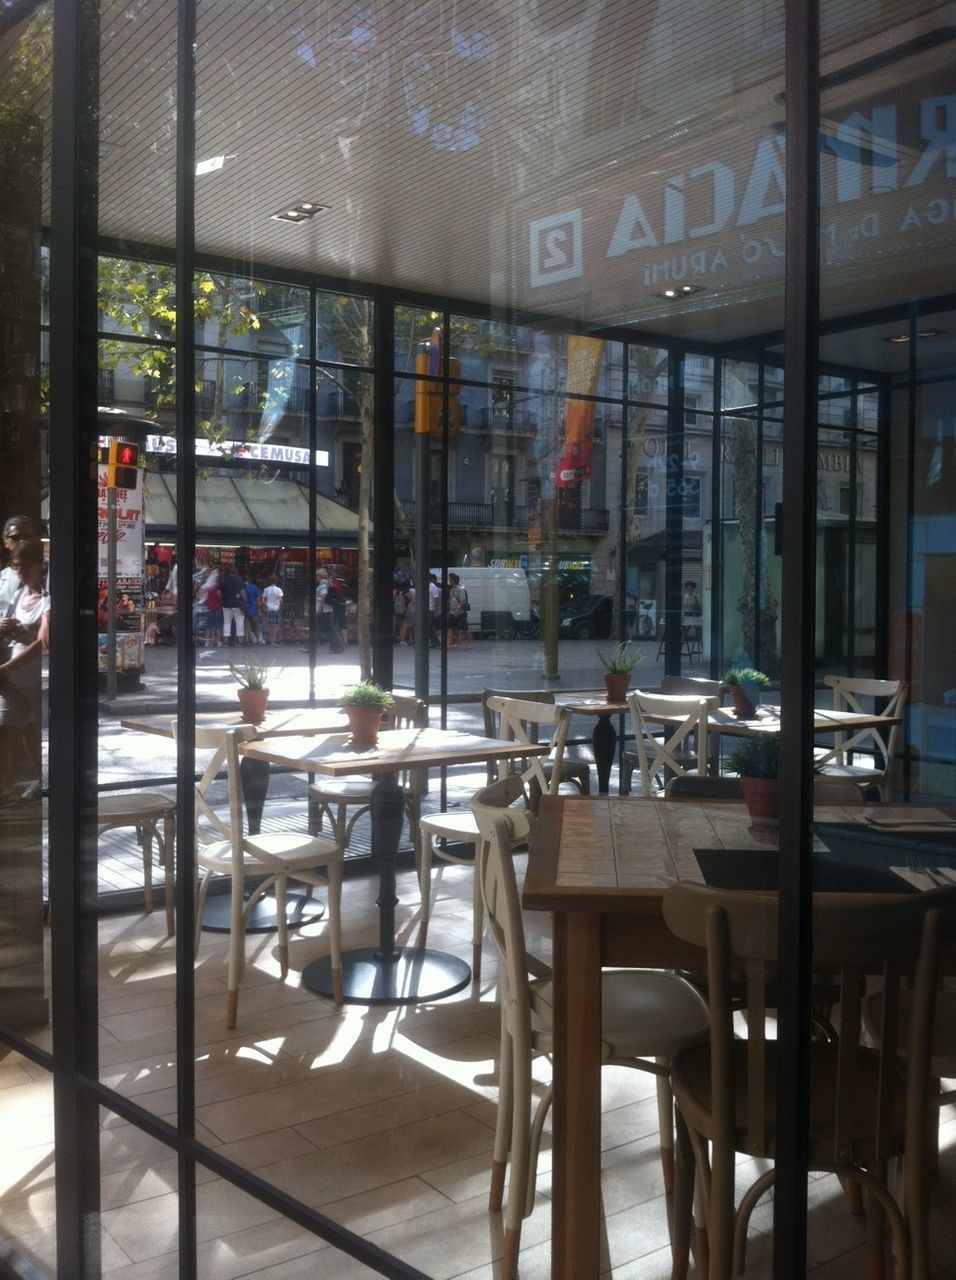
(122, 469)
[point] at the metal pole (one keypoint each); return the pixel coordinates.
(110, 593)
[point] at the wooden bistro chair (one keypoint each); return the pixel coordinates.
(863, 757)
(577, 772)
(647, 1017)
(153, 817)
(681, 751)
(685, 686)
(867, 1106)
(224, 849)
(344, 800)
(518, 720)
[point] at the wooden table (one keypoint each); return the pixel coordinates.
(604, 735)
(601, 866)
(387, 974)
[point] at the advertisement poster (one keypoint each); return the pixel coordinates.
(129, 575)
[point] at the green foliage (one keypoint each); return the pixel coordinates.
(367, 694)
(252, 674)
(622, 661)
(757, 756)
(747, 676)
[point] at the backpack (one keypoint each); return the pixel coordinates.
(336, 589)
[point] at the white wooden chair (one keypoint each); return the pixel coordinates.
(577, 772)
(867, 1107)
(521, 720)
(681, 751)
(153, 817)
(647, 1016)
(224, 849)
(863, 757)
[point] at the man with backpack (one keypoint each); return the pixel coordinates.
(338, 595)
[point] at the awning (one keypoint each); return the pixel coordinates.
(242, 509)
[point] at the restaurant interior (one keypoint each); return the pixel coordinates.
(482, 351)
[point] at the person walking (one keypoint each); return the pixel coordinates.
(25, 630)
(233, 606)
(326, 633)
(253, 611)
(458, 633)
(434, 611)
(272, 597)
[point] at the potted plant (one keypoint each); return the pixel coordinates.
(364, 704)
(253, 677)
(756, 760)
(619, 664)
(744, 684)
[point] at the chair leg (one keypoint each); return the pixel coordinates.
(144, 834)
(282, 921)
(478, 921)
(665, 1121)
(425, 873)
(237, 947)
(169, 872)
(683, 1202)
(334, 876)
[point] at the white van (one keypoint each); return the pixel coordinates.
(499, 602)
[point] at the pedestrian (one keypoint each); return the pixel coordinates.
(211, 598)
(25, 631)
(15, 529)
(630, 615)
(400, 611)
(338, 597)
(459, 634)
(233, 591)
(325, 631)
(254, 607)
(434, 611)
(272, 598)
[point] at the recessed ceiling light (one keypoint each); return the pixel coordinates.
(300, 212)
(680, 291)
(902, 338)
(210, 165)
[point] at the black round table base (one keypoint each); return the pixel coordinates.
(299, 910)
(408, 976)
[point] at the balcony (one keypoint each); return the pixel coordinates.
(486, 515)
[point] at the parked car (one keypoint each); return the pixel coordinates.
(588, 618)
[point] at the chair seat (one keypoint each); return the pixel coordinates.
(851, 772)
(691, 1083)
(129, 809)
(280, 852)
(344, 790)
(453, 826)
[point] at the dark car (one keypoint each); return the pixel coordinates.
(588, 618)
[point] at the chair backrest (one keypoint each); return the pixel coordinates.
(223, 742)
(523, 720)
(492, 720)
(657, 754)
(503, 795)
(689, 786)
(850, 694)
(894, 938)
(499, 892)
(408, 712)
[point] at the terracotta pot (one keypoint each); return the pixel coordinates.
(744, 708)
(616, 686)
(762, 797)
(252, 704)
(365, 723)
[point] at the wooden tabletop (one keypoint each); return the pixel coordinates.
(397, 750)
(300, 722)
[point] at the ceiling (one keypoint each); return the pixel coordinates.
(574, 157)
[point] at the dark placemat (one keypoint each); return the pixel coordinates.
(856, 859)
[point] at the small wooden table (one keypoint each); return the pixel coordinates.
(387, 974)
(601, 866)
(604, 735)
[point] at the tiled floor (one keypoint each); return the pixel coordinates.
(382, 1118)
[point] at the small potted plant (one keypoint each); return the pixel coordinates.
(756, 760)
(744, 684)
(619, 664)
(253, 677)
(364, 704)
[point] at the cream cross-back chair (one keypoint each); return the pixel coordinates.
(647, 1016)
(681, 751)
(334, 798)
(863, 757)
(224, 849)
(687, 686)
(867, 1107)
(576, 771)
(520, 720)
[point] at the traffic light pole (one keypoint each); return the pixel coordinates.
(111, 593)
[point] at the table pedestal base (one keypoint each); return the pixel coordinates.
(405, 976)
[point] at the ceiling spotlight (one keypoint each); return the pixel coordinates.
(903, 338)
(300, 212)
(680, 291)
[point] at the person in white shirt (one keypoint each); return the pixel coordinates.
(272, 597)
(25, 631)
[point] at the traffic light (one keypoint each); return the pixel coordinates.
(122, 468)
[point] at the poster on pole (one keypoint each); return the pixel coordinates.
(130, 539)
